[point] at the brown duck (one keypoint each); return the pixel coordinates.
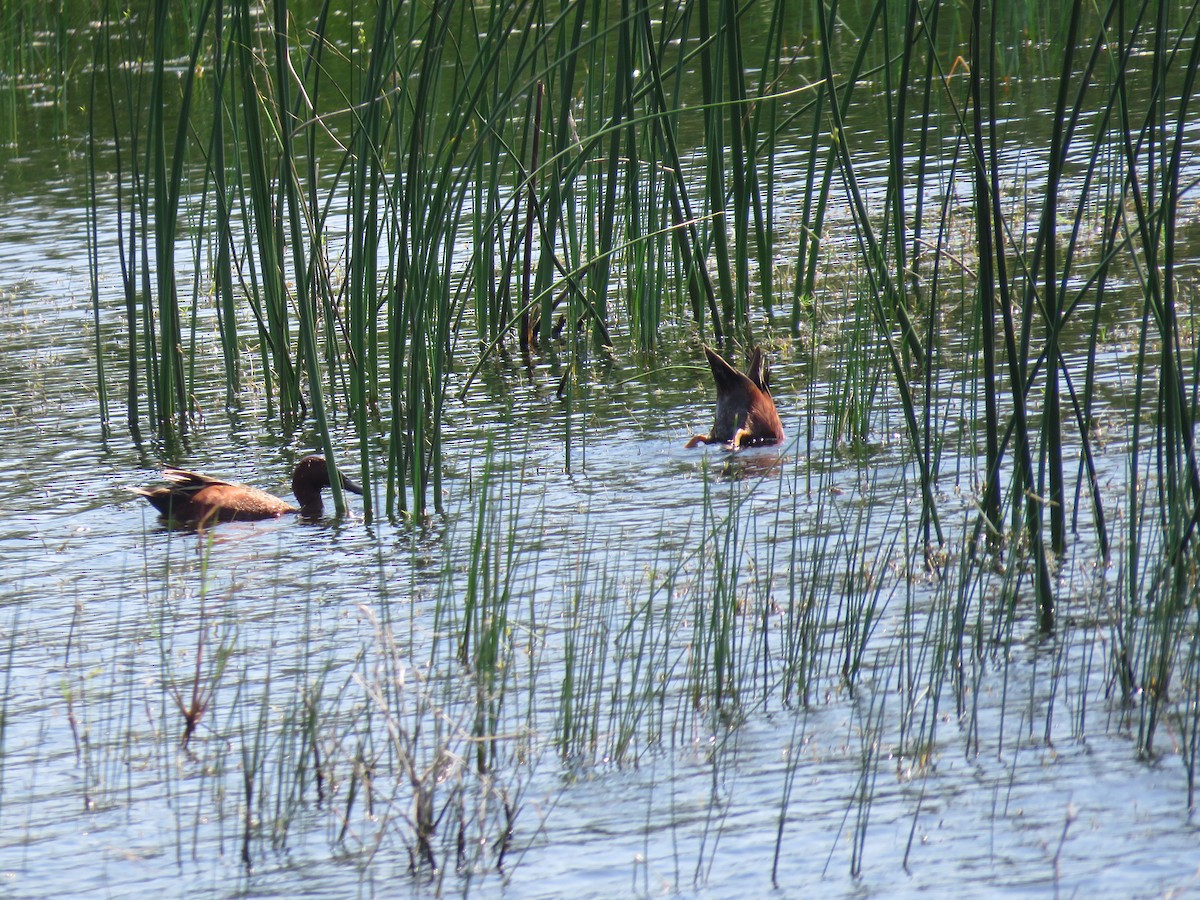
(198, 499)
(746, 414)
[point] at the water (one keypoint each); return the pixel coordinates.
(108, 617)
(105, 608)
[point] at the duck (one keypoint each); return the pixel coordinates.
(746, 414)
(198, 499)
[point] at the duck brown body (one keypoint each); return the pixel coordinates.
(200, 499)
(746, 414)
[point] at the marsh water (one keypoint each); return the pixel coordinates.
(326, 655)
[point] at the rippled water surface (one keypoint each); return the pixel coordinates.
(104, 607)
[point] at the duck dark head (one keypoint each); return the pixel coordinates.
(311, 476)
(198, 499)
(746, 414)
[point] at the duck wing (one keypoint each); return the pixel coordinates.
(186, 482)
(757, 371)
(727, 379)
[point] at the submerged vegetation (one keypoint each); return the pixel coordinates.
(965, 225)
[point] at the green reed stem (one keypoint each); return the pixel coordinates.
(882, 281)
(223, 223)
(93, 246)
(986, 289)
